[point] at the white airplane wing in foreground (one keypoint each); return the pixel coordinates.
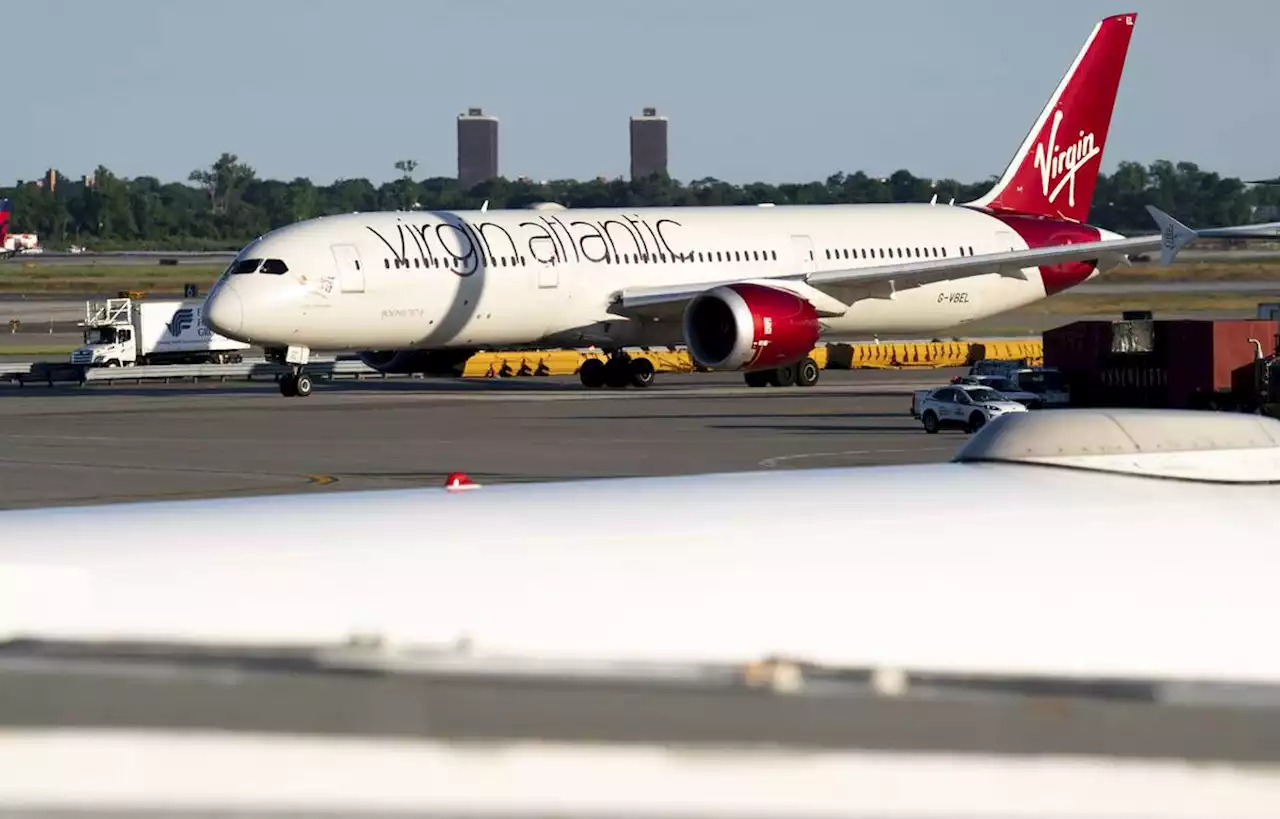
(1149, 542)
(831, 291)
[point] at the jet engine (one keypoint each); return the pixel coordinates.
(749, 327)
(412, 362)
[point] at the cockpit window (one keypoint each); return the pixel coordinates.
(244, 266)
(274, 267)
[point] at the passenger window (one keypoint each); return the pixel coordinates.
(828, 253)
(387, 263)
(774, 254)
(755, 254)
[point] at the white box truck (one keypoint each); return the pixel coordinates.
(125, 333)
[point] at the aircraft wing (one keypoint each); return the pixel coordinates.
(831, 291)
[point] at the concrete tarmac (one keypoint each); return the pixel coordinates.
(74, 445)
(292, 696)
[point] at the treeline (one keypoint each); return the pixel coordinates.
(226, 205)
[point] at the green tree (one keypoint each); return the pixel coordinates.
(228, 205)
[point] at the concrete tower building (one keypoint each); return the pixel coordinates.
(477, 147)
(648, 144)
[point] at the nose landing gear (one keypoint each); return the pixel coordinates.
(296, 384)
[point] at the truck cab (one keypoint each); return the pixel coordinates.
(109, 338)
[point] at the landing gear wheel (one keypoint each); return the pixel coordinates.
(302, 385)
(592, 373)
(976, 422)
(807, 372)
(642, 372)
(617, 373)
(784, 376)
(288, 387)
(931, 422)
(757, 378)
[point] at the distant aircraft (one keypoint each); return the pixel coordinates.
(1132, 544)
(750, 289)
(6, 211)
(1177, 234)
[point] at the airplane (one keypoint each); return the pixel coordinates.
(746, 288)
(1143, 542)
(6, 210)
(1143, 560)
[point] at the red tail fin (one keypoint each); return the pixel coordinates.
(4, 221)
(1055, 171)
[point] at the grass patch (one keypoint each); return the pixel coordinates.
(37, 349)
(1244, 270)
(83, 279)
(1087, 304)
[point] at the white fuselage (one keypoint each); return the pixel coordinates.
(475, 279)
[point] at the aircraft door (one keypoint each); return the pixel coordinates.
(350, 272)
(802, 250)
(548, 274)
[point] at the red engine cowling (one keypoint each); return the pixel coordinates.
(413, 362)
(749, 327)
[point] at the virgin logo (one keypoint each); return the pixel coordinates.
(1058, 166)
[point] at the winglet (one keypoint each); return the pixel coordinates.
(1175, 234)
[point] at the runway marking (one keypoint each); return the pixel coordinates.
(114, 467)
(769, 463)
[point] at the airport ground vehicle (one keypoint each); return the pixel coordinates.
(1045, 382)
(1175, 364)
(960, 406)
(126, 332)
(1005, 386)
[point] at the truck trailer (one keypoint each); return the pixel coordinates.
(126, 332)
(1169, 363)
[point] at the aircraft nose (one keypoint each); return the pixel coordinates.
(225, 312)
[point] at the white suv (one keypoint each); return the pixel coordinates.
(961, 406)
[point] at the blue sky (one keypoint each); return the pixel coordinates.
(766, 91)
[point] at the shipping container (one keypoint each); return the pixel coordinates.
(1181, 363)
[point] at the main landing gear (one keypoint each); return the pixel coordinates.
(619, 372)
(803, 373)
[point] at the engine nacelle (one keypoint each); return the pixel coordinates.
(749, 327)
(413, 362)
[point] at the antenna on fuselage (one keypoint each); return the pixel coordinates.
(934, 200)
(485, 206)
